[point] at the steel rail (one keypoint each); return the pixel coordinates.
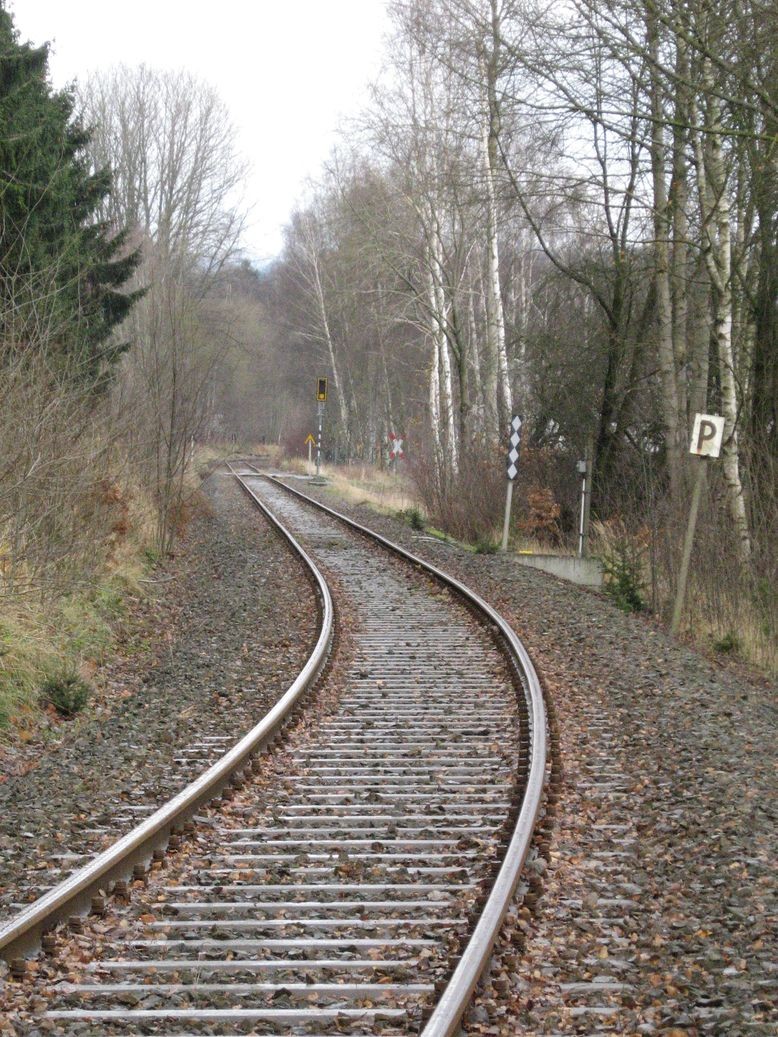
(21, 935)
(445, 1017)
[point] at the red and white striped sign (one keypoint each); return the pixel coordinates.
(395, 447)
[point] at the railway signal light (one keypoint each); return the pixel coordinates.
(321, 390)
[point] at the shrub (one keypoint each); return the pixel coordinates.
(413, 517)
(622, 562)
(485, 546)
(67, 692)
(729, 644)
(542, 521)
(151, 556)
(468, 504)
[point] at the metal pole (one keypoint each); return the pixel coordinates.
(320, 409)
(582, 519)
(507, 522)
(310, 454)
(680, 593)
(587, 502)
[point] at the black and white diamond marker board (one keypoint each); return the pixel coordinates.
(513, 452)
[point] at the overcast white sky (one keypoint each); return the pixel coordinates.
(286, 69)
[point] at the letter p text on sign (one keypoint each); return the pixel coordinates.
(707, 435)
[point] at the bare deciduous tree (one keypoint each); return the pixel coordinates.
(170, 144)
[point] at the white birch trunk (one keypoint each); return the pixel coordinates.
(328, 341)
(717, 249)
(497, 388)
(521, 314)
(686, 356)
(491, 157)
(439, 316)
(434, 394)
(474, 349)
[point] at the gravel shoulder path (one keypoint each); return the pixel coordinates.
(658, 905)
(226, 637)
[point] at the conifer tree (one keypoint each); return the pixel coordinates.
(56, 257)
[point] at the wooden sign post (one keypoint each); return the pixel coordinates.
(707, 437)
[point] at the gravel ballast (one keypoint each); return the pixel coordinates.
(232, 625)
(659, 895)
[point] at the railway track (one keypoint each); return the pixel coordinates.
(353, 877)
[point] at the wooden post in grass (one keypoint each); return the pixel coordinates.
(707, 437)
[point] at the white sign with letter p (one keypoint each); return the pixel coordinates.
(707, 435)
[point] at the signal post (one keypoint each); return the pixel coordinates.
(321, 399)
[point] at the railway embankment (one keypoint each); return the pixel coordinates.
(652, 912)
(659, 898)
(221, 642)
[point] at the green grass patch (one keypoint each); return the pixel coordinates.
(27, 654)
(86, 631)
(42, 649)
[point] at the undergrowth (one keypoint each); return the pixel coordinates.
(727, 644)
(485, 546)
(623, 563)
(383, 490)
(39, 644)
(67, 692)
(413, 517)
(47, 637)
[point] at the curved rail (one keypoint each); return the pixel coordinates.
(449, 1010)
(22, 934)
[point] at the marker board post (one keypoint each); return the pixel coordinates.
(513, 471)
(707, 437)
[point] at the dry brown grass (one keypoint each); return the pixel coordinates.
(366, 484)
(47, 632)
(718, 616)
(723, 611)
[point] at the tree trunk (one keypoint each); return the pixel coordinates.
(683, 349)
(497, 385)
(477, 430)
(321, 306)
(661, 216)
(434, 394)
(448, 435)
(717, 246)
